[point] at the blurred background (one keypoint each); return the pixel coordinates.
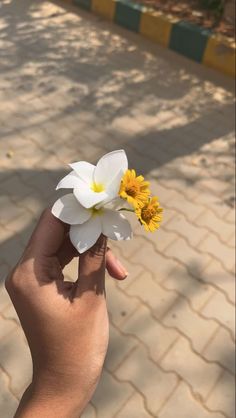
(72, 87)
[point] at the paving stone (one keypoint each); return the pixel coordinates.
(222, 349)
(89, 412)
(180, 136)
(16, 361)
(134, 407)
(11, 250)
(15, 188)
(182, 227)
(185, 406)
(230, 217)
(110, 395)
(185, 207)
(120, 306)
(220, 309)
(8, 210)
(226, 255)
(155, 262)
(193, 260)
(182, 317)
(162, 240)
(154, 335)
(196, 292)
(10, 313)
(214, 273)
(222, 229)
(8, 403)
(222, 398)
(119, 347)
(200, 375)
(150, 292)
(6, 327)
(147, 378)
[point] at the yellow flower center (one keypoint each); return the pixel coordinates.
(97, 187)
(132, 189)
(148, 213)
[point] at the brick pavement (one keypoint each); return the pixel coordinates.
(73, 84)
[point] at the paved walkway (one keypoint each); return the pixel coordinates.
(73, 86)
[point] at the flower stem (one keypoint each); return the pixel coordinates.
(127, 210)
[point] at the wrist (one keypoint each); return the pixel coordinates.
(40, 402)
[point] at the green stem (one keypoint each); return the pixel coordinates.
(127, 210)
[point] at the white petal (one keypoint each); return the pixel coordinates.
(84, 236)
(84, 170)
(87, 197)
(115, 225)
(113, 188)
(68, 182)
(109, 166)
(69, 210)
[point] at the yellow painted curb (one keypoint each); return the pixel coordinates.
(156, 26)
(105, 8)
(220, 54)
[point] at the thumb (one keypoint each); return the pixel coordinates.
(92, 266)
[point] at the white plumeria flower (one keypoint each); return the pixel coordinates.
(88, 224)
(96, 185)
(84, 209)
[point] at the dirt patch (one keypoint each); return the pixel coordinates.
(192, 11)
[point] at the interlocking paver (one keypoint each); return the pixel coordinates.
(12, 186)
(8, 403)
(192, 259)
(227, 317)
(134, 407)
(15, 360)
(88, 87)
(120, 306)
(9, 211)
(182, 317)
(153, 261)
(150, 292)
(89, 412)
(215, 274)
(119, 347)
(182, 227)
(196, 292)
(185, 406)
(200, 375)
(222, 229)
(6, 326)
(225, 254)
(222, 397)
(4, 298)
(222, 349)
(111, 395)
(10, 313)
(152, 334)
(148, 378)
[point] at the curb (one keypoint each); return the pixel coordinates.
(190, 40)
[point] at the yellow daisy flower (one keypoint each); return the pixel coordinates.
(150, 215)
(134, 189)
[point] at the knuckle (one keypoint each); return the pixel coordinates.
(15, 281)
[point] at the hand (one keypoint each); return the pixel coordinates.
(66, 324)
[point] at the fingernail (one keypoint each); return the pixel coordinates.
(121, 268)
